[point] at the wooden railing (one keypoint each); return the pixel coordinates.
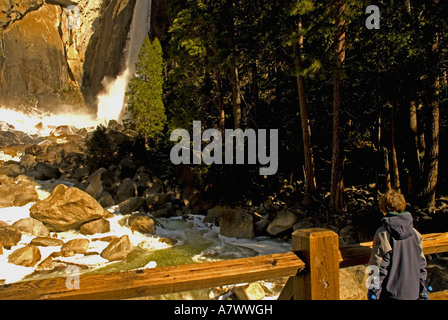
(312, 268)
(319, 249)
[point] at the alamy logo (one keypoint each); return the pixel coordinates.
(72, 281)
(73, 17)
(373, 20)
(373, 279)
(213, 152)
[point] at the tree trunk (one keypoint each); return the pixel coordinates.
(428, 194)
(337, 181)
(383, 181)
(387, 168)
(310, 181)
(378, 180)
(393, 151)
(407, 5)
(414, 151)
(255, 92)
(421, 132)
(233, 67)
(222, 114)
(236, 93)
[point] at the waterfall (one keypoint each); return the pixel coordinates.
(111, 100)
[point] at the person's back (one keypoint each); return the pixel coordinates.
(397, 253)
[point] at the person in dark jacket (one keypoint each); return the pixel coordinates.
(397, 258)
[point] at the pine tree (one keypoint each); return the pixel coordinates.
(145, 93)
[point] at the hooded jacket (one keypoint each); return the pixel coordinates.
(397, 254)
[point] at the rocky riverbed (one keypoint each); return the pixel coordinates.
(56, 213)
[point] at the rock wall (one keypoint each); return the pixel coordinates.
(45, 64)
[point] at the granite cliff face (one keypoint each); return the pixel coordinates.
(44, 63)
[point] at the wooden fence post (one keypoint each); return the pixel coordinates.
(319, 248)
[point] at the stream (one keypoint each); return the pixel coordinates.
(177, 241)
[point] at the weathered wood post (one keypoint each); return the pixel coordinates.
(319, 248)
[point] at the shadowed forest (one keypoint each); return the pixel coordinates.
(354, 106)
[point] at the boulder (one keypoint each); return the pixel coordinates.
(131, 205)
(5, 126)
(12, 169)
(46, 171)
(262, 224)
(46, 264)
(168, 241)
(235, 223)
(142, 223)
(106, 200)
(128, 189)
(95, 187)
(99, 181)
(157, 200)
(46, 242)
(348, 235)
(73, 145)
(17, 195)
(115, 125)
(214, 214)
(352, 283)
(118, 137)
(147, 183)
(127, 168)
(32, 226)
(106, 239)
(75, 246)
(437, 271)
(164, 210)
(154, 187)
(81, 173)
(117, 249)
(34, 149)
(9, 236)
(63, 129)
(283, 221)
(67, 208)
(305, 223)
(53, 154)
(4, 179)
(96, 226)
(83, 132)
(251, 291)
(27, 256)
(5, 142)
(15, 151)
(11, 135)
(26, 179)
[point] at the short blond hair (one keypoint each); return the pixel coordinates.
(392, 200)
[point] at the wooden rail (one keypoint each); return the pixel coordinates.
(313, 276)
(140, 283)
(356, 254)
(324, 283)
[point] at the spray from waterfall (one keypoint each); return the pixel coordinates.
(111, 101)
